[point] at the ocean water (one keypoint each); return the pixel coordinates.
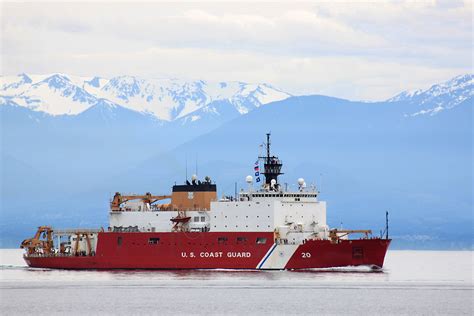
(411, 283)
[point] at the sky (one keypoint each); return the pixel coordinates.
(354, 50)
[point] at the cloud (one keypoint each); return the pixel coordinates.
(357, 50)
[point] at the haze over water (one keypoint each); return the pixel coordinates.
(412, 282)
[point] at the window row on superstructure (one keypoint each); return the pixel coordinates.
(279, 194)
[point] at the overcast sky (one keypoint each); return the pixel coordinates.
(360, 51)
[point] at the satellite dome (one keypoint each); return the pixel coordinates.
(248, 179)
(300, 181)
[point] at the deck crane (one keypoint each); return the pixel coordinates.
(147, 198)
(36, 244)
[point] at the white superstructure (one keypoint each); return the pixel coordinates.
(292, 216)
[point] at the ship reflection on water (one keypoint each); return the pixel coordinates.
(213, 274)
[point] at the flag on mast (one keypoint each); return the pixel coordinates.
(257, 171)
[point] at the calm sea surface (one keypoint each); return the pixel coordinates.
(411, 283)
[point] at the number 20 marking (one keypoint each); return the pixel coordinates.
(305, 255)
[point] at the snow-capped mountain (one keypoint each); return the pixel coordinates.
(165, 99)
(55, 94)
(438, 97)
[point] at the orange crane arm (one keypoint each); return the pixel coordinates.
(146, 198)
(46, 245)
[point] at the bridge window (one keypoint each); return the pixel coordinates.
(196, 218)
(261, 241)
(153, 241)
(203, 218)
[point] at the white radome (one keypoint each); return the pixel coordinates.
(249, 179)
(300, 181)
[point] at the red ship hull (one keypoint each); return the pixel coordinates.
(214, 250)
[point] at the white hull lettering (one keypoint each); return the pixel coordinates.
(217, 254)
(239, 254)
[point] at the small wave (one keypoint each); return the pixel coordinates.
(348, 269)
(12, 267)
(21, 267)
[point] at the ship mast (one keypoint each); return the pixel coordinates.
(268, 148)
(272, 167)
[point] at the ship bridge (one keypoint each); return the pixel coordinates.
(292, 215)
(283, 196)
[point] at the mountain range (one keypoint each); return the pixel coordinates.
(163, 99)
(69, 142)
